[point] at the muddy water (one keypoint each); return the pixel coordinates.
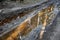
(29, 24)
(39, 20)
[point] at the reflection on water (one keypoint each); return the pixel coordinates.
(46, 16)
(42, 17)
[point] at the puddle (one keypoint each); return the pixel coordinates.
(43, 17)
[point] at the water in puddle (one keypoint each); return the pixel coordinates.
(41, 18)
